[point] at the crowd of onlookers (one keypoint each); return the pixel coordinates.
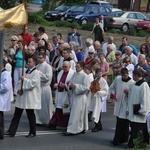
(67, 72)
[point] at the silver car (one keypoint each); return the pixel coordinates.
(123, 19)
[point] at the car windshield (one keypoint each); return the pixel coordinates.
(117, 13)
(148, 18)
(62, 8)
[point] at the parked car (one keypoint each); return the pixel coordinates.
(115, 9)
(124, 19)
(36, 1)
(143, 25)
(102, 3)
(1, 9)
(58, 13)
(87, 13)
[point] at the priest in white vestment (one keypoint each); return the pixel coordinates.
(5, 96)
(78, 86)
(61, 116)
(118, 89)
(97, 100)
(45, 113)
(28, 98)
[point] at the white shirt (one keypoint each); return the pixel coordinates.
(104, 48)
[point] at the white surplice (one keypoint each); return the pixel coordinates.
(78, 120)
(121, 104)
(98, 97)
(44, 115)
(31, 97)
(63, 97)
(140, 94)
(5, 91)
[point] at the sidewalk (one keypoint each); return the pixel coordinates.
(33, 7)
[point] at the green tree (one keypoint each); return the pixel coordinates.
(7, 4)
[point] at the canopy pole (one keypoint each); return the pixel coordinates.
(2, 34)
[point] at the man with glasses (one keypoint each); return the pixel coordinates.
(61, 115)
(66, 57)
(45, 113)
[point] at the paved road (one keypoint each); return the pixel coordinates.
(55, 140)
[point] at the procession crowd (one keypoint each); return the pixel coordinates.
(61, 84)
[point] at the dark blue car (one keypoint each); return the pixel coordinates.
(87, 13)
(58, 13)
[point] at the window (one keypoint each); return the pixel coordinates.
(140, 16)
(94, 10)
(80, 9)
(107, 10)
(102, 10)
(131, 16)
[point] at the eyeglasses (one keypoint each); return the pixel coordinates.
(40, 57)
(64, 66)
(127, 61)
(13, 40)
(90, 53)
(143, 46)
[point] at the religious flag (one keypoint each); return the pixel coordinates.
(16, 16)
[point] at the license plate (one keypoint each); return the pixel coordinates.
(47, 16)
(69, 19)
(139, 28)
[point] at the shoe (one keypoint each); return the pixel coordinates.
(52, 127)
(115, 143)
(90, 116)
(30, 135)
(82, 132)
(100, 128)
(95, 129)
(67, 134)
(9, 134)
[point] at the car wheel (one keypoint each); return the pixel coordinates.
(136, 30)
(84, 21)
(125, 27)
(62, 18)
